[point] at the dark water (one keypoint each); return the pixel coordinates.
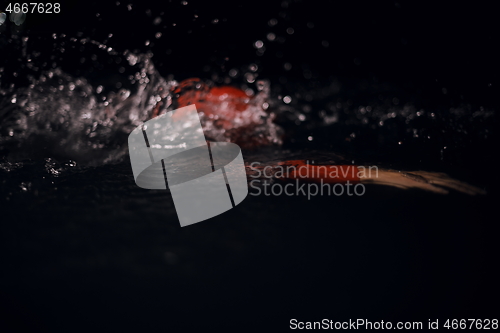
(85, 249)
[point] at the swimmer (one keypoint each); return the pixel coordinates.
(227, 103)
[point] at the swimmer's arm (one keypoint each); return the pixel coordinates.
(430, 181)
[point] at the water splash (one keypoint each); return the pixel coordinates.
(59, 115)
(66, 116)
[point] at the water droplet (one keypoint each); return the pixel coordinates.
(287, 66)
(290, 31)
(157, 21)
(287, 99)
(17, 18)
(272, 22)
(271, 36)
(3, 17)
(258, 44)
(250, 77)
(249, 92)
(233, 72)
(310, 138)
(158, 35)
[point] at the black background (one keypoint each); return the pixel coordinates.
(415, 257)
(430, 45)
